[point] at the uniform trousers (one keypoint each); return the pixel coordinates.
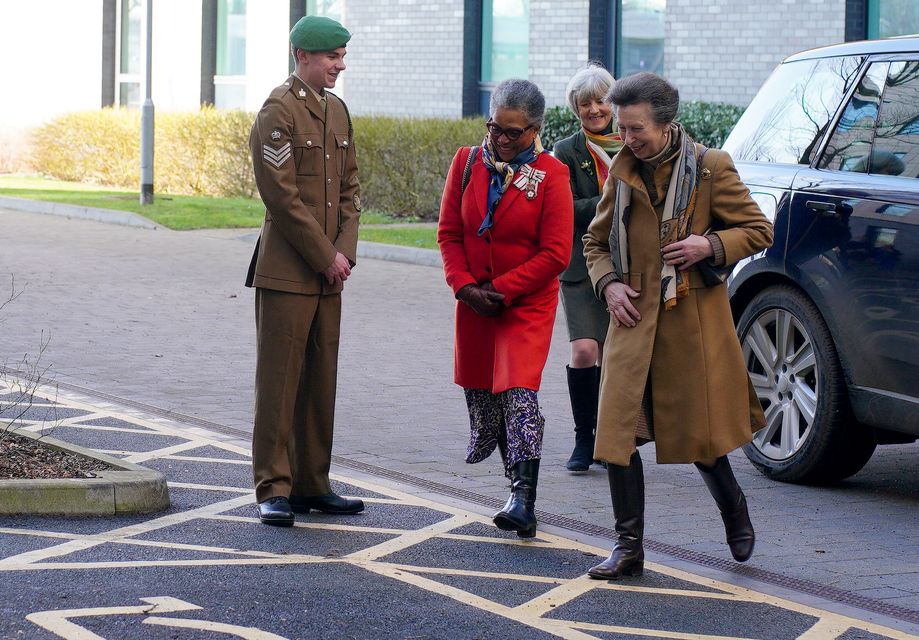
(295, 383)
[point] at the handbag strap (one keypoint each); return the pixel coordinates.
(467, 170)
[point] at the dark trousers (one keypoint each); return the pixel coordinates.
(295, 382)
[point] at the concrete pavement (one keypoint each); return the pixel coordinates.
(162, 318)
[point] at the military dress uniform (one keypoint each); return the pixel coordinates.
(305, 168)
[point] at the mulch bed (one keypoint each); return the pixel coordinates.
(24, 458)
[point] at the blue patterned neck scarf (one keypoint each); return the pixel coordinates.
(502, 174)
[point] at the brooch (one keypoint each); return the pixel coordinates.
(528, 181)
(586, 166)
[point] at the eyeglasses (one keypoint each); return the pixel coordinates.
(511, 134)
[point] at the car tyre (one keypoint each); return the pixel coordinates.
(811, 435)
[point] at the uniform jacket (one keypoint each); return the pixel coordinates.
(306, 173)
(703, 403)
(522, 255)
(573, 152)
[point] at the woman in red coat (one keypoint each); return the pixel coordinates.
(505, 232)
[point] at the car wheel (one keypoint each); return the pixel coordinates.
(810, 434)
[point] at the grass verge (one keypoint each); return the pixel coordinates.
(197, 212)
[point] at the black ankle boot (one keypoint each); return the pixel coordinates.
(583, 390)
(732, 503)
(519, 512)
(627, 489)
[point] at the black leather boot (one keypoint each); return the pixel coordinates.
(731, 502)
(583, 390)
(627, 489)
(519, 512)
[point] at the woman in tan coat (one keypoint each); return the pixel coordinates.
(673, 371)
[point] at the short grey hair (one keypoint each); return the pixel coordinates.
(647, 87)
(593, 81)
(523, 95)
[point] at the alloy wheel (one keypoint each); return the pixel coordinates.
(780, 359)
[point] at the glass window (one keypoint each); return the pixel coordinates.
(888, 18)
(328, 8)
(896, 144)
(641, 42)
(788, 117)
(231, 37)
(505, 39)
(130, 58)
(850, 146)
(230, 81)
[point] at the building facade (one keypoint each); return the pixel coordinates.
(413, 58)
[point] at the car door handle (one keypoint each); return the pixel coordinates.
(829, 209)
(817, 205)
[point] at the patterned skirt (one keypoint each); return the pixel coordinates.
(509, 420)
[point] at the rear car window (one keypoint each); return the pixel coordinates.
(850, 147)
(791, 112)
(896, 144)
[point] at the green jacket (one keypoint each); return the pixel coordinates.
(573, 152)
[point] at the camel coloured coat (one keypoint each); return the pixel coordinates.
(703, 403)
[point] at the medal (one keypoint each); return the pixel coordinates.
(528, 181)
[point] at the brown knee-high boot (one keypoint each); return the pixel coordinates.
(627, 489)
(731, 502)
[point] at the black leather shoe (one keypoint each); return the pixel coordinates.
(326, 503)
(276, 511)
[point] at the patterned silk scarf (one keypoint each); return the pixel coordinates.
(676, 220)
(602, 148)
(502, 175)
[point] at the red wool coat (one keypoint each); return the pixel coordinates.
(522, 255)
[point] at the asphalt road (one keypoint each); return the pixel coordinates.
(407, 567)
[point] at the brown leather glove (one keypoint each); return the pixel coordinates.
(484, 301)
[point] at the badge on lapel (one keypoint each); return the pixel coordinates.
(528, 181)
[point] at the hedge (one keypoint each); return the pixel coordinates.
(402, 161)
(707, 122)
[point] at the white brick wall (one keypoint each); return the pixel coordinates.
(724, 51)
(405, 58)
(558, 44)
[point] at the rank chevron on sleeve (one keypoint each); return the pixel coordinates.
(276, 157)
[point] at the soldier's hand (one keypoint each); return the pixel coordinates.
(338, 271)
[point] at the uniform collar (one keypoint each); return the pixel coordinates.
(309, 97)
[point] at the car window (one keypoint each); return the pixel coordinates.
(896, 144)
(791, 112)
(849, 148)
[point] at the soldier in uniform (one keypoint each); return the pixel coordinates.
(305, 168)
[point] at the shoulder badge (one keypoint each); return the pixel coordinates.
(357, 202)
(276, 135)
(706, 173)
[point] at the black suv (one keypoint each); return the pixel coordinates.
(829, 316)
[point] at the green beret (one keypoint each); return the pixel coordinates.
(318, 33)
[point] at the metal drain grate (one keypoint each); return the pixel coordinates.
(762, 575)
